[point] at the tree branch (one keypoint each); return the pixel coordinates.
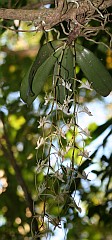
(47, 18)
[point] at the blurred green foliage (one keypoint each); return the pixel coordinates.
(18, 135)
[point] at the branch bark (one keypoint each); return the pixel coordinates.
(48, 18)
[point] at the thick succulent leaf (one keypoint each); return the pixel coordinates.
(35, 78)
(59, 75)
(94, 70)
(64, 74)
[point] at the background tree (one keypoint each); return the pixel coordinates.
(39, 188)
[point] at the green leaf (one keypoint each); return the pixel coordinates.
(38, 73)
(64, 74)
(94, 70)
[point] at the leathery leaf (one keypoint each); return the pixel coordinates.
(64, 75)
(35, 78)
(94, 70)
